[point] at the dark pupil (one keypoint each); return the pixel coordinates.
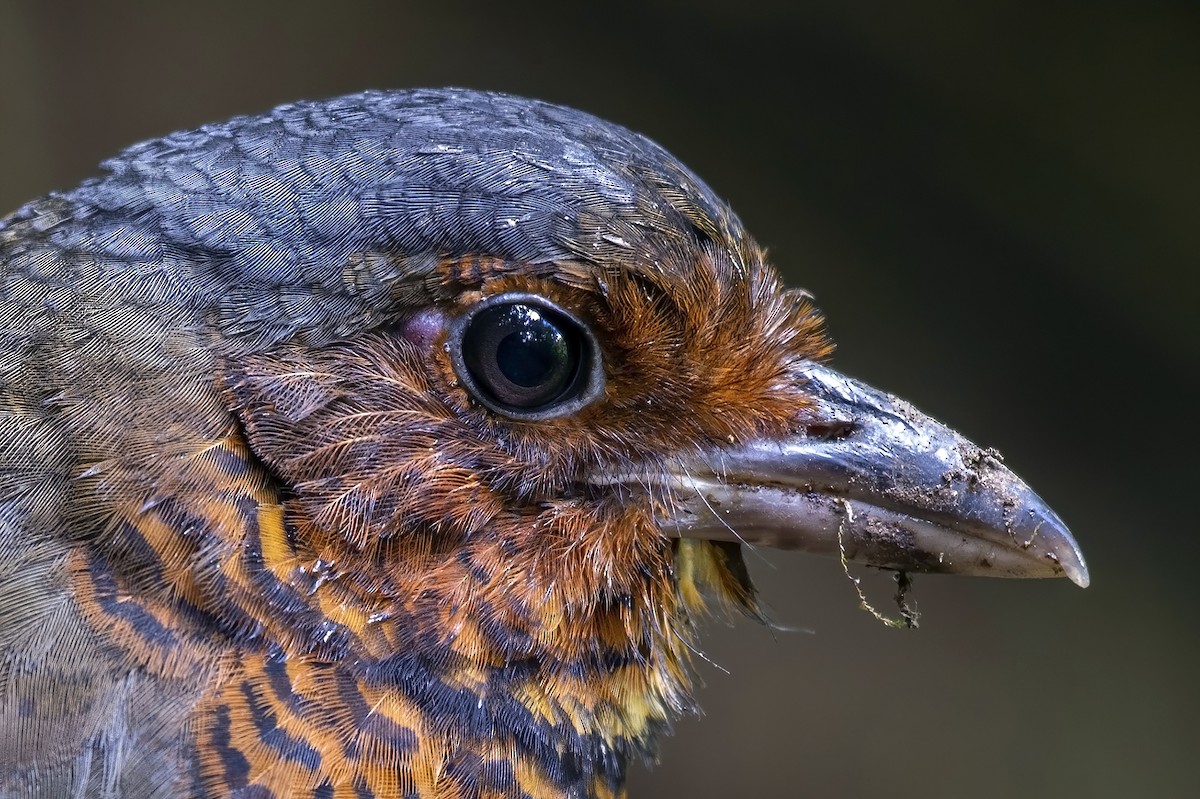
(529, 357)
(524, 355)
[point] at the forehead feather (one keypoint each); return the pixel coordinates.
(263, 222)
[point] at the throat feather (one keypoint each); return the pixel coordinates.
(508, 662)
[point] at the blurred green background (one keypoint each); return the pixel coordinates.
(998, 207)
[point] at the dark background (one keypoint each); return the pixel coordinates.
(997, 207)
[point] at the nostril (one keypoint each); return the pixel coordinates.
(830, 429)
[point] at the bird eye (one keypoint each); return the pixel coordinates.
(526, 358)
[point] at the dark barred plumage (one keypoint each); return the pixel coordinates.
(259, 537)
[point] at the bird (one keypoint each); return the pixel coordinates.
(393, 445)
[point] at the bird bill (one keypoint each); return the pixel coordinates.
(875, 481)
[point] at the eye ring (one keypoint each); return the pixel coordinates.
(524, 357)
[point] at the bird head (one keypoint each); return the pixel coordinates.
(471, 400)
